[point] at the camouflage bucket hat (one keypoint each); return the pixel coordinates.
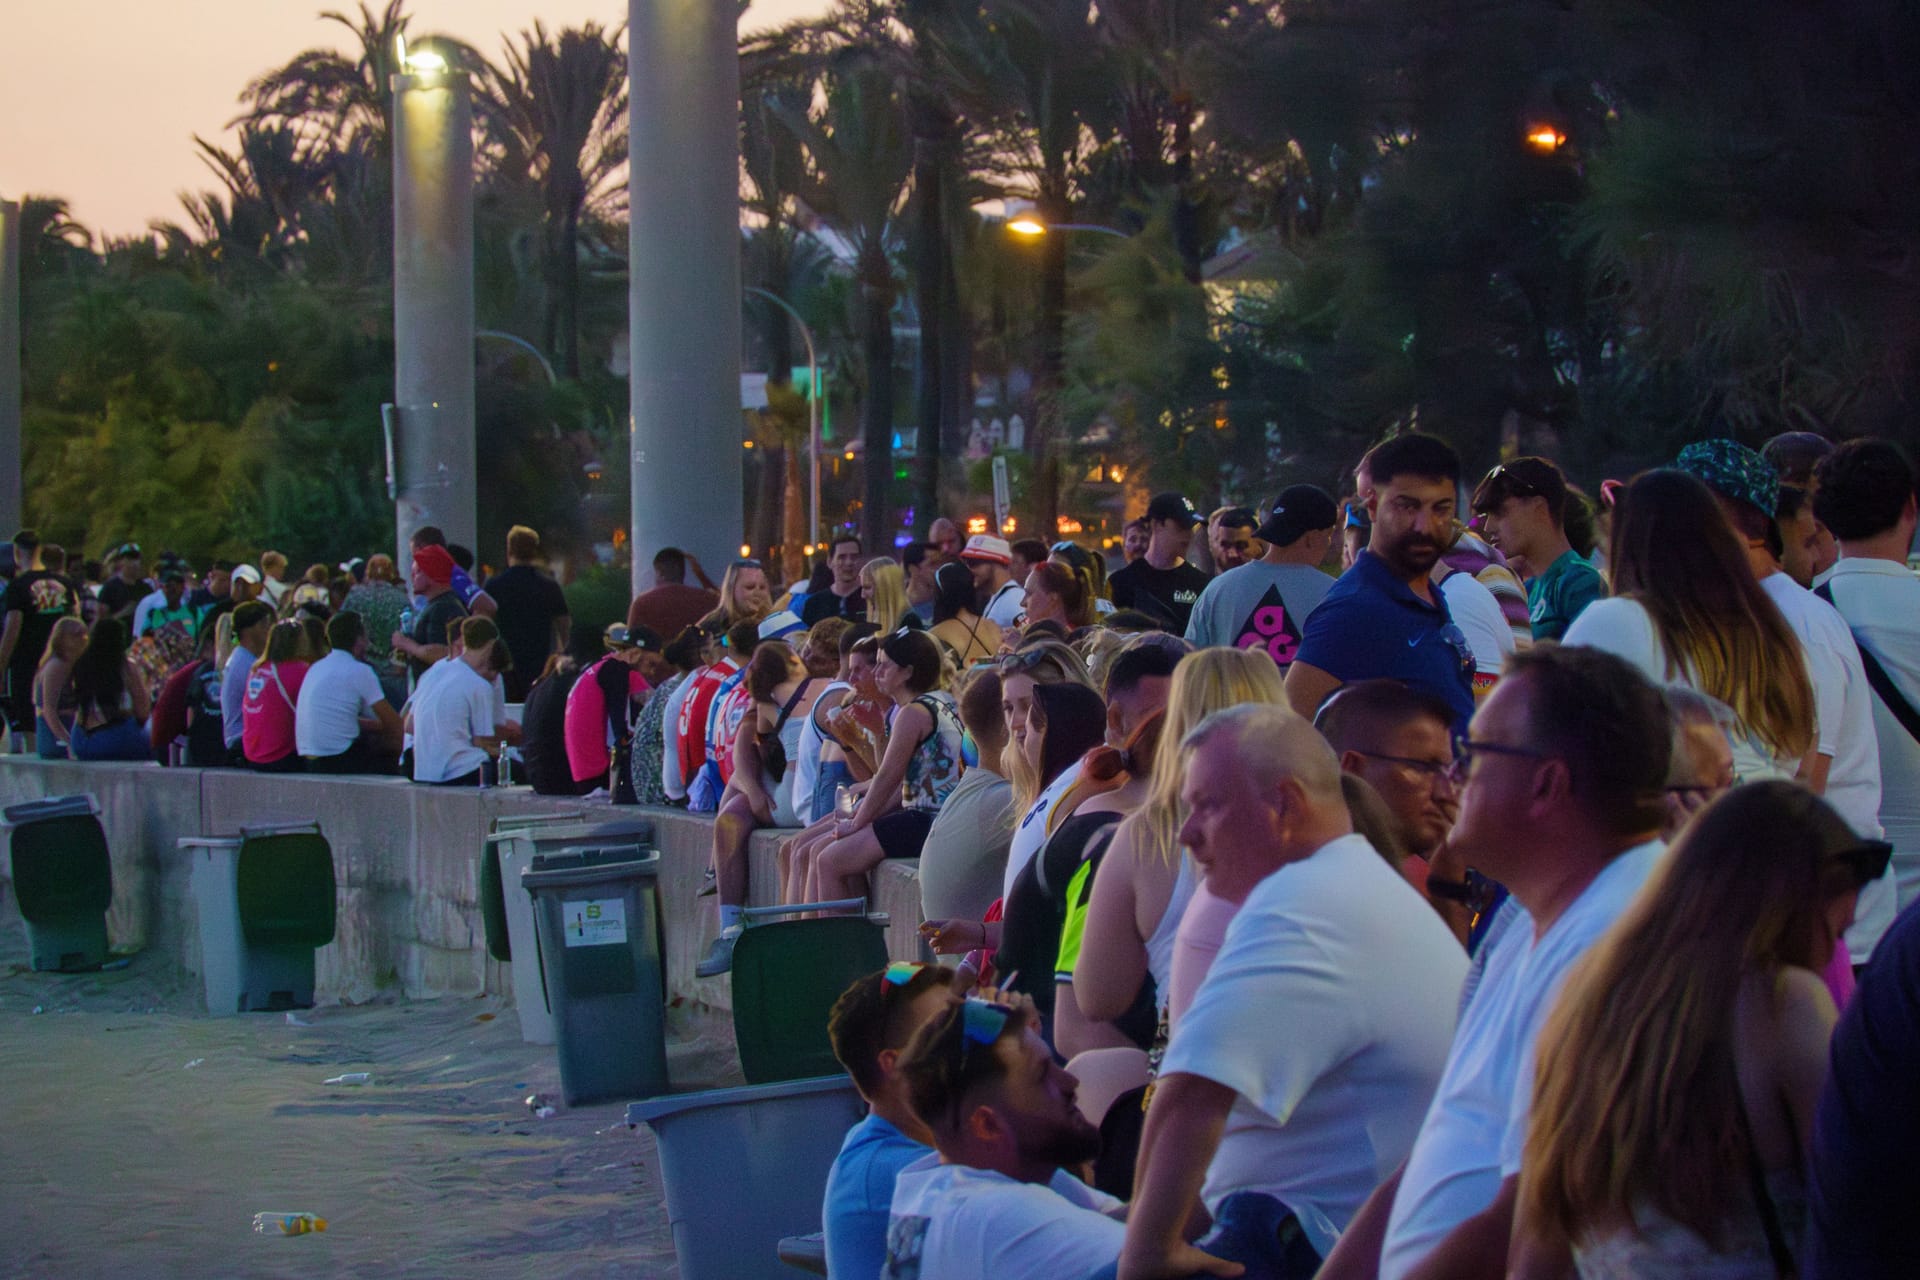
(1733, 470)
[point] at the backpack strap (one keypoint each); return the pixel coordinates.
(1883, 686)
(786, 712)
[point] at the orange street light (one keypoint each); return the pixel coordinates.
(1545, 139)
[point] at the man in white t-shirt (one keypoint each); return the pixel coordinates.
(342, 722)
(995, 1199)
(1001, 598)
(1844, 765)
(1562, 795)
(1296, 1080)
(452, 714)
(1865, 495)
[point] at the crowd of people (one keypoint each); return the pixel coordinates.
(1400, 886)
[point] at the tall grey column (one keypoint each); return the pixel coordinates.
(684, 309)
(12, 510)
(433, 304)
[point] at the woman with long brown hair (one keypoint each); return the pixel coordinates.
(1687, 610)
(1678, 1072)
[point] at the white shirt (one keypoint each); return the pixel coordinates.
(670, 779)
(1843, 701)
(1030, 836)
(338, 691)
(148, 603)
(1623, 627)
(954, 1222)
(1329, 1011)
(1880, 601)
(1005, 606)
(806, 765)
(1477, 613)
(449, 712)
(1479, 1113)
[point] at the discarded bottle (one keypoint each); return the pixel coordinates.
(288, 1224)
(352, 1077)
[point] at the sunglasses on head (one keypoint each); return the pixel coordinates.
(1022, 660)
(746, 562)
(1514, 485)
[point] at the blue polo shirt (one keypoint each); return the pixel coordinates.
(1372, 626)
(859, 1199)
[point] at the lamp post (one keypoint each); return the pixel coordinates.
(433, 331)
(683, 61)
(12, 513)
(1030, 226)
(813, 410)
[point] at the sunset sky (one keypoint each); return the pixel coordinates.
(100, 99)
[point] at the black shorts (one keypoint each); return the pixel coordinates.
(903, 832)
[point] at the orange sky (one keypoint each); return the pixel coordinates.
(100, 99)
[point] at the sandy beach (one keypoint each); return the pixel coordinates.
(140, 1137)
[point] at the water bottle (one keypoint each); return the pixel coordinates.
(288, 1224)
(506, 767)
(406, 620)
(845, 803)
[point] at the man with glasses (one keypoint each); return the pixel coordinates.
(869, 1028)
(1524, 505)
(1265, 607)
(995, 1198)
(1385, 617)
(1400, 741)
(1562, 795)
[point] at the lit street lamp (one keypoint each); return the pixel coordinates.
(1031, 226)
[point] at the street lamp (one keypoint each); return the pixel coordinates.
(813, 408)
(1032, 227)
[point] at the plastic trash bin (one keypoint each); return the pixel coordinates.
(513, 851)
(745, 1168)
(266, 901)
(598, 911)
(62, 880)
(493, 905)
(787, 974)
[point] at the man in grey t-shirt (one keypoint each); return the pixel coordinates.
(1264, 604)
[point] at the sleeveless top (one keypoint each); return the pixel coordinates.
(1663, 1249)
(934, 770)
(1160, 945)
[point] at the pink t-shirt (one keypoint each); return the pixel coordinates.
(266, 716)
(1195, 944)
(589, 754)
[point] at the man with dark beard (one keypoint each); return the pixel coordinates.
(1385, 618)
(995, 1198)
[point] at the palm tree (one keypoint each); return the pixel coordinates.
(860, 152)
(555, 115)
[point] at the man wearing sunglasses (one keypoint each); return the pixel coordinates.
(1562, 796)
(995, 1199)
(1524, 504)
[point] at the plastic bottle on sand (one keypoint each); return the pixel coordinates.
(288, 1224)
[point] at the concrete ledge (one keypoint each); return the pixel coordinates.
(406, 858)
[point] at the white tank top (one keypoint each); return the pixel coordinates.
(1160, 945)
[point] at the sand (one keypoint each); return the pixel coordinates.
(138, 1137)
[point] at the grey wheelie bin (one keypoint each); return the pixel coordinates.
(266, 901)
(62, 880)
(511, 850)
(598, 911)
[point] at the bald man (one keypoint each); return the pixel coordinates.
(1283, 1136)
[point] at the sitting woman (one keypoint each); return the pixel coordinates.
(760, 793)
(110, 699)
(968, 636)
(1059, 593)
(53, 700)
(850, 723)
(920, 769)
(884, 584)
(1679, 1071)
(273, 689)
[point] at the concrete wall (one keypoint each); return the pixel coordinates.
(406, 861)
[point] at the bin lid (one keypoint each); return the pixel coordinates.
(607, 831)
(18, 815)
(562, 872)
(650, 1109)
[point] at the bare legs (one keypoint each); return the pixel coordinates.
(840, 869)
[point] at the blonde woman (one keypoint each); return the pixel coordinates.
(53, 700)
(1679, 1071)
(884, 584)
(746, 595)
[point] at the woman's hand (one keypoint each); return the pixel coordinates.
(954, 937)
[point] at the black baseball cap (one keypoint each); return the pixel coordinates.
(1300, 509)
(27, 539)
(621, 636)
(1173, 506)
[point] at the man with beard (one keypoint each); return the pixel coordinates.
(1297, 1078)
(1385, 617)
(1232, 537)
(1401, 741)
(995, 1198)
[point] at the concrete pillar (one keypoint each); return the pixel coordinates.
(433, 305)
(684, 308)
(13, 512)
